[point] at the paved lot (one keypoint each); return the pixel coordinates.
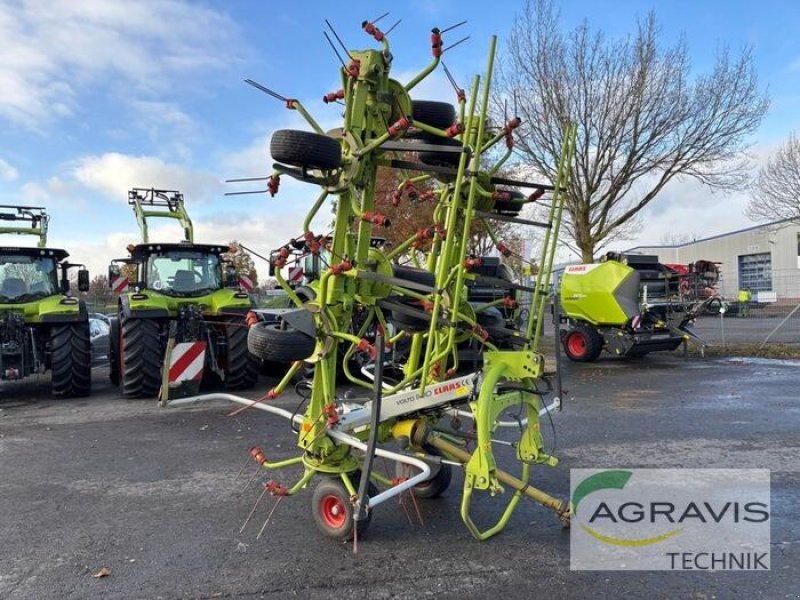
(150, 494)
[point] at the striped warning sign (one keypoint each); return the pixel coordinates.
(186, 362)
(246, 283)
(296, 273)
(119, 284)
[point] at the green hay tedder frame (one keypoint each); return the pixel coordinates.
(338, 439)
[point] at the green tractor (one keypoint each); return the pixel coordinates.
(171, 294)
(42, 326)
(625, 305)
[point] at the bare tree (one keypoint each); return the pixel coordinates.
(776, 189)
(641, 120)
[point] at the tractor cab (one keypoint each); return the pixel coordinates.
(30, 274)
(182, 270)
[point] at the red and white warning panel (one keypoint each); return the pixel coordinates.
(246, 283)
(119, 284)
(186, 362)
(296, 274)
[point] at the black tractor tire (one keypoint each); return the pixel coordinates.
(141, 357)
(582, 344)
(333, 511)
(436, 114)
(270, 342)
(71, 360)
(305, 149)
(113, 351)
(241, 369)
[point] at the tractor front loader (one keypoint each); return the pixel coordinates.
(42, 326)
(181, 310)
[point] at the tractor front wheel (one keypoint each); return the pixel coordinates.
(241, 372)
(583, 344)
(141, 357)
(71, 360)
(333, 509)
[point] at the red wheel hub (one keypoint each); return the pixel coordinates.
(576, 344)
(333, 511)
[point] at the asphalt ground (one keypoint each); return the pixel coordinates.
(748, 330)
(151, 495)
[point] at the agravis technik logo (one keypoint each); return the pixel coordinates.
(703, 519)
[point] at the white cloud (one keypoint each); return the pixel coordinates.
(113, 174)
(7, 171)
(53, 50)
(55, 187)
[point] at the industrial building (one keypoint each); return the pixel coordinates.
(764, 258)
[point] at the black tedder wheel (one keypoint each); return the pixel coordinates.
(435, 114)
(436, 485)
(440, 159)
(305, 149)
(141, 357)
(113, 351)
(71, 360)
(582, 344)
(333, 510)
(241, 372)
(270, 342)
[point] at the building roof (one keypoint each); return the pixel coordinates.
(714, 237)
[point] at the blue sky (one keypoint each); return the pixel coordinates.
(98, 96)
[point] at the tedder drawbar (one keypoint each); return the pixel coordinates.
(411, 416)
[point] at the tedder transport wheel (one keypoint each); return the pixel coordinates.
(436, 485)
(241, 371)
(582, 344)
(436, 114)
(333, 510)
(305, 149)
(71, 360)
(113, 351)
(141, 357)
(440, 159)
(270, 342)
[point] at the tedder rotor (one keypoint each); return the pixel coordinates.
(453, 153)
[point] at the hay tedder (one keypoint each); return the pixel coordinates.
(411, 412)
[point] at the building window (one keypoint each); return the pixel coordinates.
(755, 272)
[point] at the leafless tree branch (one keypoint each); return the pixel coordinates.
(641, 120)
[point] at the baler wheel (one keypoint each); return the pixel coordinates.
(583, 344)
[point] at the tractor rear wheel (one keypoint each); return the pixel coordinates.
(71, 360)
(333, 509)
(113, 351)
(141, 357)
(270, 342)
(241, 372)
(583, 344)
(305, 149)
